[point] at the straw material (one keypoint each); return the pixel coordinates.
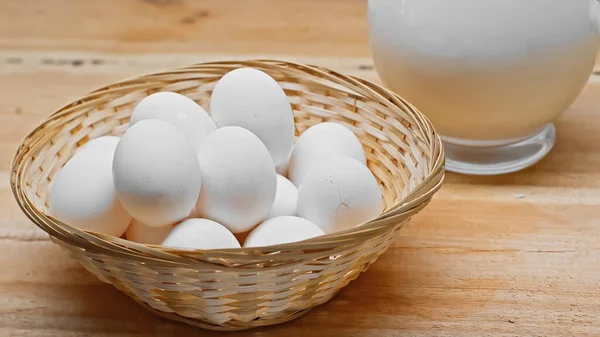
(248, 287)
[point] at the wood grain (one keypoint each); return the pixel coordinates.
(314, 27)
(491, 256)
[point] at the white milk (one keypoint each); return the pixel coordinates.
(487, 70)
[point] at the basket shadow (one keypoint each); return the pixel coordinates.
(101, 308)
(381, 298)
(381, 301)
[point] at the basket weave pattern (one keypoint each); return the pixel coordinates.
(249, 287)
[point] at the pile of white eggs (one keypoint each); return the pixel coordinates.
(180, 178)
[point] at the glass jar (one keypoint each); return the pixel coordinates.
(491, 75)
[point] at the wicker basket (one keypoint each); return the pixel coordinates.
(248, 287)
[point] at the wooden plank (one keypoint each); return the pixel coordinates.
(503, 256)
(307, 27)
(301, 27)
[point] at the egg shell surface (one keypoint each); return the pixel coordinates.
(239, 179)
(252, 99)
(200, 234)
(179, 110)
(321, 143)
(286, 198)
(156, 173)
(339, 194)
(83, 195)
(283, 168)
(280, 230)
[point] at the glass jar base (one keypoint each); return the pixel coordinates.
(473, 158)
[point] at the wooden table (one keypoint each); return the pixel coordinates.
(491, 256)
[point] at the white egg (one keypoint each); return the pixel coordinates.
(286, 198)
(280, 230)
(339, 194)
(156, 173)
(83, 195)
(320, 143)
(251, 99)
(200, 234)
(178, 109)
(142, 233)
(238, 179)
(283, 167)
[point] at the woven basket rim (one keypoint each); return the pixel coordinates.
(408, 206)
